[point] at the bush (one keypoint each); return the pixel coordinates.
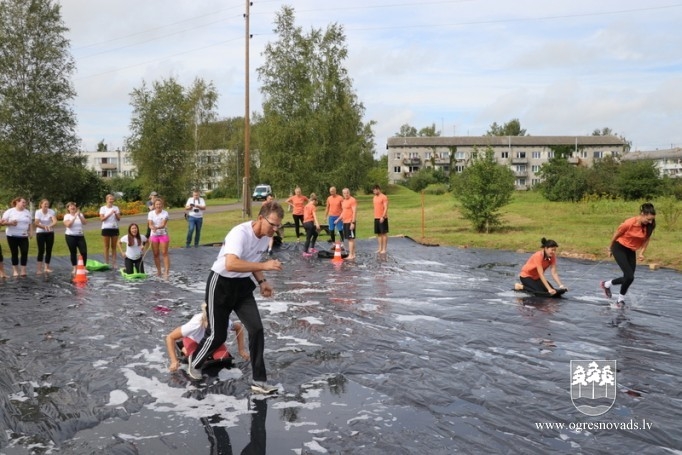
(436, 188)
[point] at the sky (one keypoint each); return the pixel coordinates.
(560, 67)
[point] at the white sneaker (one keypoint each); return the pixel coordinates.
(263, 387)
(194, 373)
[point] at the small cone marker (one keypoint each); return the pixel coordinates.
(81, 275)
(337, 259)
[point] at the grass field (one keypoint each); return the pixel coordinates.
(582, 229)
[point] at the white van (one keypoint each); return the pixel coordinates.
(261, 192)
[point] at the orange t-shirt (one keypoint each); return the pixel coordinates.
(631, 235)
(380, 206)
(530, 268)
(348, 205)
(334, 205)
(308, 212)
(298, 202)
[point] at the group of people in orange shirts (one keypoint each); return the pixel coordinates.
(341, 215)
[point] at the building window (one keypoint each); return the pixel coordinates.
(504, 155)
(598, 154)
(460, 155)
(397, 155)
(520, 168)
(414, 154)
(427, 156)
(582, 154)
(444, 156)
(397, 170)
(414, 168)
(537, 155)
(521, 182)
(520, 154)
(459, 169)
(535, 182)
(550, 154)
(535, 168)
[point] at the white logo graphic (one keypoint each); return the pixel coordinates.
(593, 385)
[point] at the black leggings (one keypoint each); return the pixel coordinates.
(298, 222)
(134, 265)
(45, 242)
(77, 242)
(310, 234)
(532, 285)
(627, 261)
(17, 245)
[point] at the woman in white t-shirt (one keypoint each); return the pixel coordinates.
(110, 215)
(157, 220)
(136, 247)
(75, 236)
(45, 221)
(19, 230)
(193, 331)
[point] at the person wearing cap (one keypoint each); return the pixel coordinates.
(195, 207)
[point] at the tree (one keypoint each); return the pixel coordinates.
(311, 131)
(160, 139)
(562, 181)
(482, 189)
(511, 128)
(639, 180)
(609, 132)
(202, 99)
(407, 131)
(601, 178)
(410, 131)
(38, 143)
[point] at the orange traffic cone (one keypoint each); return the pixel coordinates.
(337, 259)
(81, 275)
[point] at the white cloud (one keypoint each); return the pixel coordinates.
(560, 67)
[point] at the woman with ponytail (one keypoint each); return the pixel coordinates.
(632, 235)
(193, 331)
(533, 272)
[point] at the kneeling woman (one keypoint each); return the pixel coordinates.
(533, 272)
(191, 334)
(136, 246)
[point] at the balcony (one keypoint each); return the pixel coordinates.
(412, 161)
(108, 166)
(519, 160)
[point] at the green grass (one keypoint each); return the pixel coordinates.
(582, 229)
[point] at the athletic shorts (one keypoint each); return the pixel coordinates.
(348, 233)
(159, 238)
(335, 224)
(380, 227)
(110, 232)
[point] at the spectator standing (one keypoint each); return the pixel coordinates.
(45, 221)
(75, 236)
(110, 215)
(19, 230)
(297, 202)
(349, 217)
(380, 201)
(195, 207)
(157, 220)
(333, 214)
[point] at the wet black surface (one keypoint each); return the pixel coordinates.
(427, 350)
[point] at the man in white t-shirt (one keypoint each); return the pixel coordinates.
(230, 288)
(195, 207)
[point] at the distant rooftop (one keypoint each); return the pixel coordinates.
(498, 141)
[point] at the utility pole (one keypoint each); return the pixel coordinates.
(246, 193)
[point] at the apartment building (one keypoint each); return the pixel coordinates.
(668, 161)
(108, 164)
(523, 154)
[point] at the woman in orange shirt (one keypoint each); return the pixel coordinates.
(533, 272)
(632, 235)
(297, 202)
(311, 225)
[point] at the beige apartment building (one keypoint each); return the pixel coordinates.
(668, 161)
(523, 154)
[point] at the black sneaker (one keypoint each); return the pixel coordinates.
(607, 291)
(263, 387)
